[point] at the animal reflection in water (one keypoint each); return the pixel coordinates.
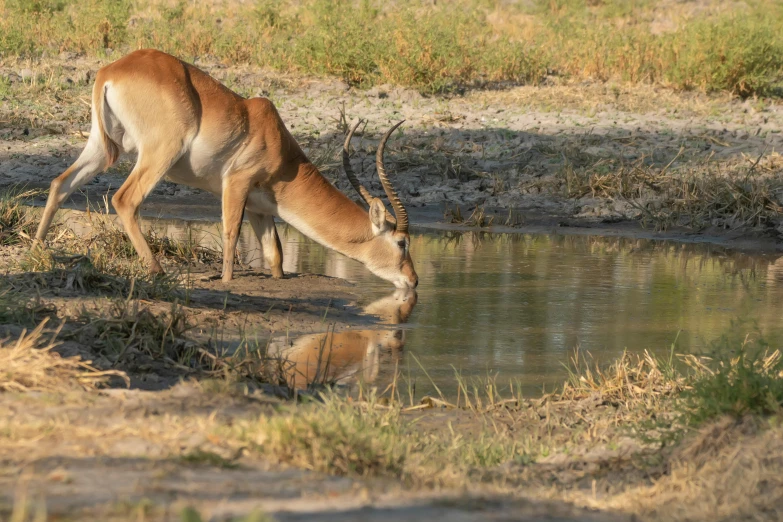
(350, 356)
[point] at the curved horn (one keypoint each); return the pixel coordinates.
(366, 196)
(394, 199)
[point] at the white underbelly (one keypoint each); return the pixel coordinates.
(183, 174)
(259, 202)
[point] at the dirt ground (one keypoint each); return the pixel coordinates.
(119, 456)
(141, 453)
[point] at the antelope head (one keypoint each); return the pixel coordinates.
(390, 256)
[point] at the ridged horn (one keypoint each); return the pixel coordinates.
(399, 210)
(363, 192)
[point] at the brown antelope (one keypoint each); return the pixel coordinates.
(348, 355)
(185, 125)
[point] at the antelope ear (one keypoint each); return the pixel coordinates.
(378, 217)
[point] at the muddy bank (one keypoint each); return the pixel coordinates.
(607, 158)
(103, 307)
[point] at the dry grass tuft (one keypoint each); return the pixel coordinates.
(17, 221)
(477, 218)
(482, 218)
(113, 246)
(629, 378)
(30, 364)
(132, 328)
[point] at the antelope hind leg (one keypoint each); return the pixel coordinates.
(89, 164)
(264, 227)
(149, 169)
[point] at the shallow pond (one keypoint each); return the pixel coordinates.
(514, 307)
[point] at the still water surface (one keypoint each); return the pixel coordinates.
(515, 306)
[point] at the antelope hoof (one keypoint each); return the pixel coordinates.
(156, 269)
(277, 273)
(227, 278)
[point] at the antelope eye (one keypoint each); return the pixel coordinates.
(401, 244)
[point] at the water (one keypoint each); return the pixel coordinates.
(515, 306)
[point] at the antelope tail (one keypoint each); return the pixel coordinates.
(111, 150)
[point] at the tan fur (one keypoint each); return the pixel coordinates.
(185, 125)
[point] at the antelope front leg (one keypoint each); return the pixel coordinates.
(234, 200)
(264, 227)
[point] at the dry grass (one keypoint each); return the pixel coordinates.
(103, 261)
(626, 380)
(131, 327)
(30, 363)
(17, 221)
(108, 240)
(623, 426)
(96, 272)
(376, 437)
(481, 218)
(698, 195)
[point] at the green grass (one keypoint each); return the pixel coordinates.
(369, 439)
(192, 515)
(336, 437)
(736, 51)
(434, 48)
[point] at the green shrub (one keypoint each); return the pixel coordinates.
(749, 381)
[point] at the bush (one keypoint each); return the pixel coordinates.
(749, 381)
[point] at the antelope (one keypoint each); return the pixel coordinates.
(185, 125)
(350, 354)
